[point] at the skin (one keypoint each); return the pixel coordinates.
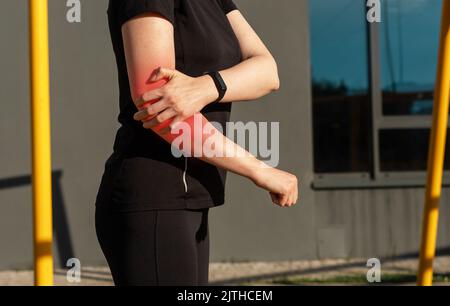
(166, 98)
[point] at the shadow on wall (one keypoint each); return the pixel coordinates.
(60, 224)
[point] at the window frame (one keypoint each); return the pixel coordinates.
(377, 178)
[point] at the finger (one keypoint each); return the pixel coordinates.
(150, 111)
(144, 115)
(296, 196)
(277, 200)
(274, 198)
(149, 97)
(288, 200)
(163, 73)
(162, 117)
(293, 196)
(284, 200)
(176, 121)
(291, 199)
(164, 131)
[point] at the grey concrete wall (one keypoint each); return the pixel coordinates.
(84, 110)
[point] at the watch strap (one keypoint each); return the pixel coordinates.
(220, 84)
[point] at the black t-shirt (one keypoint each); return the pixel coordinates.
(142, 173)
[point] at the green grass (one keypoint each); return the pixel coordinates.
(355, 279)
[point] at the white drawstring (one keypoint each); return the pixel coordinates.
(184, 174)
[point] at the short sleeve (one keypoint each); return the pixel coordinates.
(132, 8)
(228, 6)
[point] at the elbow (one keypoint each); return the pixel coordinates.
(276, 83)
(275, 79)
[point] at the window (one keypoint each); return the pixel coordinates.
(405, 150)
(372, 90)
(409, 40)
(340, 87)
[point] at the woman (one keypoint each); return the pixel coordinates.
(178, 61)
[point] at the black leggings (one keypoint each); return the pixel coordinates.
(158, 247)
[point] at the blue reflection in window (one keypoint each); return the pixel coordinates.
(338, 44)
(409, 40)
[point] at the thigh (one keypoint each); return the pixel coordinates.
(128, 243)
(161, 247)
(202, 242)
(182, 247)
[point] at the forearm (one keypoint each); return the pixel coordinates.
(251, 79)
(197, 137)
(243, 163)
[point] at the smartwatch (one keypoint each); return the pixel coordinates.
(220, 84)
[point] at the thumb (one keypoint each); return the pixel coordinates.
(163, 73)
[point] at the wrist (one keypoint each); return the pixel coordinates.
(255, 171)
(208, 88)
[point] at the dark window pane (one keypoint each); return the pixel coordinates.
(409, 47)
(406, 150)
(340, 86)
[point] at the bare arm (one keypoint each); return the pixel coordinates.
(149, 44)
(257, 74)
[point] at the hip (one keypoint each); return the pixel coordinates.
(139, 182)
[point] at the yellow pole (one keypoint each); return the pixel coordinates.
(436, 154)
(41, 147)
